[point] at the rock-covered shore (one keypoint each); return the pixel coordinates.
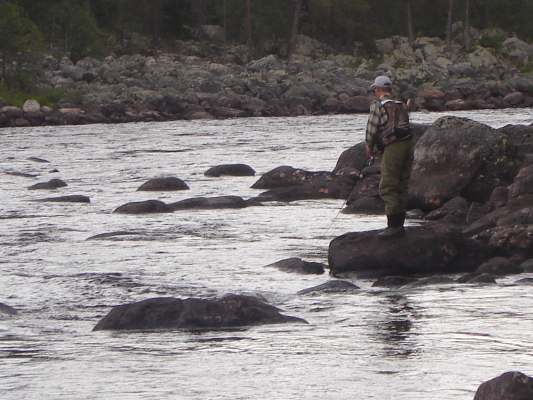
(196, 84)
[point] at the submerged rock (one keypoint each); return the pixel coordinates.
(298, 265)
(75, 198)
(5, 309)
(172, 313)
(332, 287)
(51, 184)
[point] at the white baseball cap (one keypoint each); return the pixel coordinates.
(382, 82)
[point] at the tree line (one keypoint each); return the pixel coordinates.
(95, 28)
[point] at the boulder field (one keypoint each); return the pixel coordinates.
(192, 84)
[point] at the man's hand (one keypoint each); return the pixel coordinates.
(369, 152)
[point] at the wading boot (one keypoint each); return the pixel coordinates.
(395, 227)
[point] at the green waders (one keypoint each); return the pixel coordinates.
(396, 167)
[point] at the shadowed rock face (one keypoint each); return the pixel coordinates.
(173, 313)
(508, 386)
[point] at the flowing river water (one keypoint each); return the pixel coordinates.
(438, 342)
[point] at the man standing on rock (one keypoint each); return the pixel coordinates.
(388, 131)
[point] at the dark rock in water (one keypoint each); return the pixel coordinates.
(37, 159)
(283, 176)
(477, 278)
(172, 313)
(393, 281)
(316, 185)
(67, 199)
(144, 207)
(51, 184)
(431, 280)
(298, 265)
(163, 184)
(206, 203)
(332, 287)
(499, 266)
(5, 309)
(231, 170)
(512, 385)
(22, 174)
(112, 234)
(524, 282)
(424, 250)
(459, 157)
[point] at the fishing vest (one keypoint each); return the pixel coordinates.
(397, 126)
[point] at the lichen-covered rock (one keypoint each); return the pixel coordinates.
(459, 157)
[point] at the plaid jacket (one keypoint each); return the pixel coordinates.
(377, 118)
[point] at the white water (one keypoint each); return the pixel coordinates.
(431, 343)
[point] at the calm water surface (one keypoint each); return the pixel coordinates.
(432, 343)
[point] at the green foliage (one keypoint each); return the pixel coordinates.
(18, 34)
(52, 98)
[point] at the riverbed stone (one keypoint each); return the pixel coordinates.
(298, 265)
(231, 170)
(511, 385)
(173, 313)
(209, 203)
(144, 207)
(164, 184)
(335, 287)
(50, 185)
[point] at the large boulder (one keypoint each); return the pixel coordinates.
(173, 313)
(459, 157)
(426, 249)
(512, 385)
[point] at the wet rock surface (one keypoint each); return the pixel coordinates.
(231, 311)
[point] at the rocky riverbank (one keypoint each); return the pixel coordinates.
(203, 82)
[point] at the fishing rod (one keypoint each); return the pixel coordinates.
(368, 162)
